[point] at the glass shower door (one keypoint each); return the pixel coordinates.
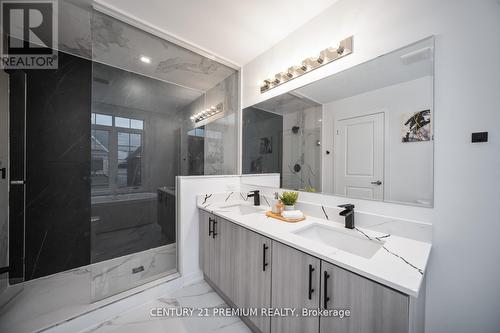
(134, 161)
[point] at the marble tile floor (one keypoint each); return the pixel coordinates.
(198, 295)
(46, 301)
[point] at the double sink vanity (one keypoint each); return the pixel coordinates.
(367, 279)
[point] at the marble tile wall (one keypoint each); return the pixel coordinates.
(91, 34)
(121, 45)
(116, 275)
(301, 152)
(220, 135)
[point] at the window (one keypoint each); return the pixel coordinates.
(129, 159)
(100, 158)
(117, 148)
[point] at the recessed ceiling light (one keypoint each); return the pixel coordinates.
(146, 60)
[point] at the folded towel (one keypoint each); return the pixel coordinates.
(292, 214)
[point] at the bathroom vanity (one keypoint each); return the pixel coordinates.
(254, 261)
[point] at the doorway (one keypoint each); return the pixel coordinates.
(359, 157)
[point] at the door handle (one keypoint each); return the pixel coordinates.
(378, 182)
(310, 290)
(264, 263)
(4, 173)
(6, 269)
(325, 289)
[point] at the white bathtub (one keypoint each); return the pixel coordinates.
(110, 198)
(121, 211)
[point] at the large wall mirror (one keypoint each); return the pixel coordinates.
(366, 132)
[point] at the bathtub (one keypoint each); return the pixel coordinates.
(122, 211)
(99, 199)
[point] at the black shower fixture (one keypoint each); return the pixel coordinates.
(295, 129)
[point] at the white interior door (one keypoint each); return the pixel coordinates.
(359, 157)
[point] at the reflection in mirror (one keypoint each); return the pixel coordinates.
(366, 132)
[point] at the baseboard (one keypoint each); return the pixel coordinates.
(192, 278)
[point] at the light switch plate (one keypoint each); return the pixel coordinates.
(479, 137)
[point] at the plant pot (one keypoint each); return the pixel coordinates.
(289, 207)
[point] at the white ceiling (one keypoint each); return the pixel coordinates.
(236, 31)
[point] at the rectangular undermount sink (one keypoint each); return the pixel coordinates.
(337, 238)
(242, 209)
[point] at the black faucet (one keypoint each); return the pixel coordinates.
(348, 212)
(256, 197)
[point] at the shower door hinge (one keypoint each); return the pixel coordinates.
(4, 173)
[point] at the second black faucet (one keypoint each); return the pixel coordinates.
(348, 212)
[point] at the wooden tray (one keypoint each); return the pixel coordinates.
(279, 217)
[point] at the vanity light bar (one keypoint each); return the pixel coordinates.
(205, 114)
(326, 56)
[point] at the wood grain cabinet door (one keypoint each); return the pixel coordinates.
(204, 241)
(295, 284)
(373, 307)
(253, 275)
(225, 239)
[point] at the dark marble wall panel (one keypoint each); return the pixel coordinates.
(17, 86)
(262, 141)
(58, 167)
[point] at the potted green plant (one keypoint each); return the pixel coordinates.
(289, 199)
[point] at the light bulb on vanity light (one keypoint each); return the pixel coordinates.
(330, 53)
(304, 67)
(146, 60)
(277, 79)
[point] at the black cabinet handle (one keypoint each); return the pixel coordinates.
(214, 230)
(310, 289)
(4, 173)
(210, 231)
(325, 294)
(264, 263)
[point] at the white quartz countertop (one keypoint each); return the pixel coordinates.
(399, 263)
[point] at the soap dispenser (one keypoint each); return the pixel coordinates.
(276, 207)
